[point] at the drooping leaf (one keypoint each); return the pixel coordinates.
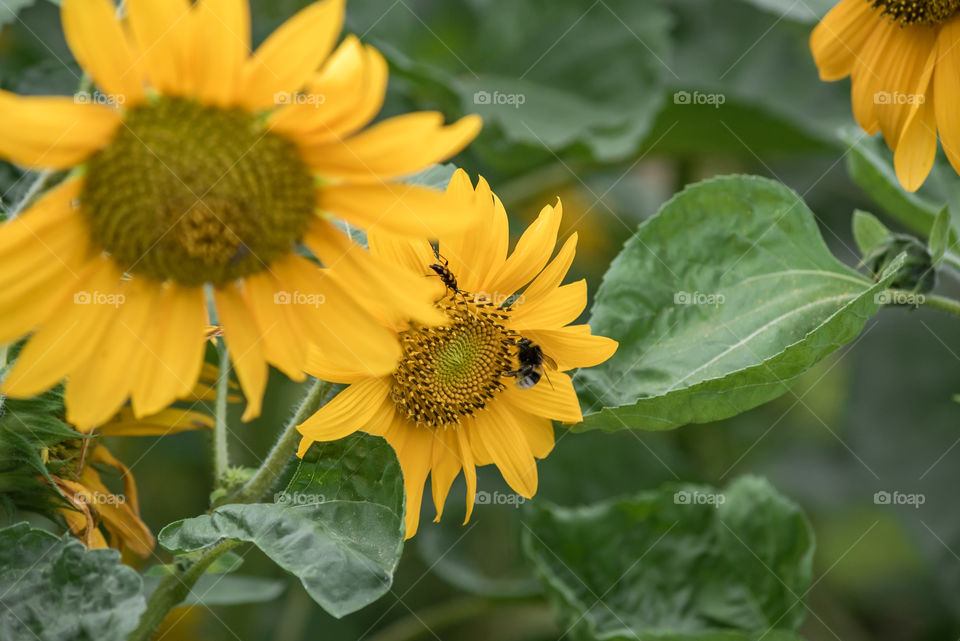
(724, 296)
(55, 589)
(682, 563)
(868, 232)
(338, 526)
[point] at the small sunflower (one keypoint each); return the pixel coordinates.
(204, 169)
(461, 396)
(903, 60)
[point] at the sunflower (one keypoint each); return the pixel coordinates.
(198, 172)
(455, 400)
(903, 59)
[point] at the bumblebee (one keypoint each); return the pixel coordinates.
(531, 359)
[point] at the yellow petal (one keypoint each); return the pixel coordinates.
(550, 278)
(102, 455)
(917, 148)
(444, 467)
(500, 433)
(837, 40)
(414, 449)
(221, 44)
(291, 54)
(162, 33)
(283, 345)
(69, 337)
(477, 253)
(99, 386)
(571, 347)
(910, 63)
(415, 255)
(343, 97)
(402, 295)
(469, 468)
(553, 397)
(100, 46)
(348, 412)
(168, 421)
(531, 254)
(173, 349)
(561, 307)
(52, 132)
(326, 314)
(946, 92)
(538, 431)
(868, 77)
(246, 352)
(395, 147)
(384, 417)
(119, 516)
(398, 208)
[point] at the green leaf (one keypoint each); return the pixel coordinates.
(592, 84)
(808, 11)
(718, 302)
(682, 563)
(940, 235)
(869, 232)
(225, 590)
(338, 526)
(10, 8)
(56, 589)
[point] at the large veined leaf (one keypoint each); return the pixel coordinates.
(55, 589)
(724, 296)
(682, 563)
(592, 81)
(338, 526)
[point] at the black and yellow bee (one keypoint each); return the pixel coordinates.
(531, 359)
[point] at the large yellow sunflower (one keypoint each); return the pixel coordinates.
(903, 60)
(204, 168)
(454, 400)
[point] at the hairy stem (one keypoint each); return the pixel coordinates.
(173, 589)
(942, 303)
(221, 458)
(285, 447)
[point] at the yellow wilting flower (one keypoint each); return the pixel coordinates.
(453, 402)
(903, 59)
(202, 165)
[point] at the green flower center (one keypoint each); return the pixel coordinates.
(922, 12)
(196, 194)
(451, 371)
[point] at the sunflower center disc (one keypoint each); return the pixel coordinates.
(451, 371)
(196, 194)
(922, 12)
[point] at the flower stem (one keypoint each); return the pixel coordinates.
(943, 303)
(285, 447)
(174, 588)
(221, 458)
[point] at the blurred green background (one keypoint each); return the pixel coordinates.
(593, 101)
